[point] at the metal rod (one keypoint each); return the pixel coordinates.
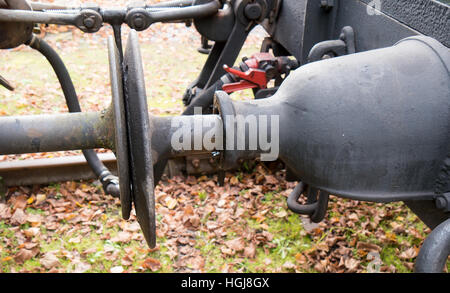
(195, 11)
(57, 132)
(11, 15)
(174, 3)
(68, 17)
(38, 6)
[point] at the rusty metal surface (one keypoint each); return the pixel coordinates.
(56, 132)
(14, 34)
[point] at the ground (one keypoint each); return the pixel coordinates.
(244, 226)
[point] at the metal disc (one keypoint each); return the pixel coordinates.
(139, 139)
(121, 138)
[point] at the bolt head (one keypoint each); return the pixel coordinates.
(253, 11)
(89, 22)
(138, 21)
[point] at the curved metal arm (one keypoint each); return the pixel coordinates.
(316, 210)
(435, 250)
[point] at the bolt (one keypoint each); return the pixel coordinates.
(138, 21)
(253, 11)
(89, 21)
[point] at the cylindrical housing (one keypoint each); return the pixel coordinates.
(369, 126)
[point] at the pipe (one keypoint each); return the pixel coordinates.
(11, 15)
(56, 132)
(194, 11)
(74, 106)
(174, 3)
(435, 250)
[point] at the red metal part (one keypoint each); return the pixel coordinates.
(252, 78)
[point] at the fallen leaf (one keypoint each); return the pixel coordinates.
(281, 214)
(409, 253)
(127, 261)
(31, 232)
(171, 203)
(123, 237)
(40, 198)
(151, 264)
(81, 267)
(24, 255)
(19, 217)
(49, 261)
(237, 244)
(368, 246)
(351, 264)
(250, 251)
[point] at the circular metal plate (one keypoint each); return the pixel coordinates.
(139, 139)
(120, 125)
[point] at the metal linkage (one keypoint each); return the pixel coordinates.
(90, 19)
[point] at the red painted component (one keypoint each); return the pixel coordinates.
(252, 78)
(257, 58)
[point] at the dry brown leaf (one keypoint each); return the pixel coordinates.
(270, 179)
(151, 264)
(25, 254)
(368, 246)
(171, 203)
(40, 198)
(281, 214)
(409, 253)
(49, 261)
(31, 232)
(127, 261)
(123, 237)
(19, 217)
(351, 264)
(250, 251)
(236, 244)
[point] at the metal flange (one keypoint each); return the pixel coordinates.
(139, 139)
(120, 128)
(132, 136)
